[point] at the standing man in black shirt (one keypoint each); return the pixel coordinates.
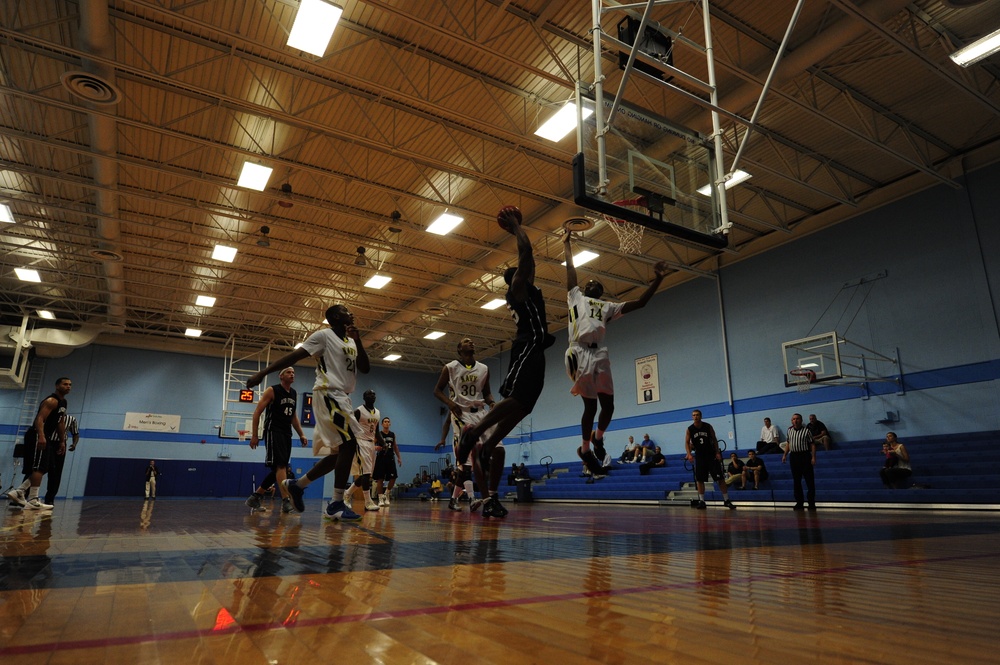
(522, 386)
(386, 456)
(279, 402)
(801, 454)
(703, 449)
(45, 439)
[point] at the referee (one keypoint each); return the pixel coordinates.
(802, 453)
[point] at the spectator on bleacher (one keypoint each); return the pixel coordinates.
(425, 478)
(735, 472)
(436, 488)
(514, 474)
(657, 459)
(628, 455)
(646, 449)
(416, 480)
(754, 468)
(818, 431)
(802, 453)
(897, 463)
(770, 438)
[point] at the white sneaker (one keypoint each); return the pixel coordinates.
(17, 496)
(36, 504)
(386, 497)
(369, 504)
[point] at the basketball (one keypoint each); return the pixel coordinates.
(504, 213)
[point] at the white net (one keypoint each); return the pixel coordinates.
(629, 234)
(803, 379)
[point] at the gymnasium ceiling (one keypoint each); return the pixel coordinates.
(419, 106)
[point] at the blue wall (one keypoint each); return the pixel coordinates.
(935, 305)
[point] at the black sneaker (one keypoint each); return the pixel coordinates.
(295, 493)
(599, 448)
(495, 508)
(812, 507)
(729, 504)
(465, 445)
(453, 504)
(701, 505)
(798, 506)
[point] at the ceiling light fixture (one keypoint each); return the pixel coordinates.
(224, 253)
(392, 357)
(263, 241)
(444, 224)
(977, 50)
(27, 274)
(583, 257)
(562, 123)
(378, 281)
(739, 176)
(6, 214)
(436, 334)
(205, 301)
(46, 314)
(313, 26)
(192, 332)
(360, 260)
(495, 303)
(254, 176)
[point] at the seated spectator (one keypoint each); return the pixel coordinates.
(436, 488)
(416, 480)
(424, 477)
(734, 471)
(755, 468)
(656, 459)
(770, 438)
(628, 455)
(897, 463)
(818, 431)
(646, 449)
(514, 474)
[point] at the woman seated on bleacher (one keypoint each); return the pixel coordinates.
(897, 463)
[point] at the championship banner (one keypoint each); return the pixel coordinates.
(647, 380)
(152, 422)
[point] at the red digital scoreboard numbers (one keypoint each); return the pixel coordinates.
(246, 395)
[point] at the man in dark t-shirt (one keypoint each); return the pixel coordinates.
(43, 441)
(703, 449)
(278, 405)
(386, 456)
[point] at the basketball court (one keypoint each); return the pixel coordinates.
(204, 581)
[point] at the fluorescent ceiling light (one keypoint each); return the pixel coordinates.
(192, 332)
(583, 257)
(27, 275)
(437, 334)
(378, 281)
(738, 177)
(495, 303)
(444, 224)
(205, 301)
(224, 253)
(254, 176)
(562, 123)
(977, 50)
(46, 314)
(392, 356)
(314, 25)
(5, 214)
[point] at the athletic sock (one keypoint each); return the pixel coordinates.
(338, 495)
(302, 481)
(32, 493)
(701, 497)
(469, 489)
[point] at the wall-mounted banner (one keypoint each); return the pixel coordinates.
(647, 380)
(152, 422)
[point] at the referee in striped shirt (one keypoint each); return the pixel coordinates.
(59, 461)
(802, 451)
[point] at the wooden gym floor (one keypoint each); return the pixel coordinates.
(182, 581)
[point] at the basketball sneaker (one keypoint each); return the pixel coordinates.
(339, 512)
(370, 504)
(494, 508)
(286, 505)
(475, 505)
(17, 496)
(729, 504)
(453, 504)
(37, 504)
(295, 494)
(254, 502)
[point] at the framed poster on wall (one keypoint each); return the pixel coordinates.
(647, 380)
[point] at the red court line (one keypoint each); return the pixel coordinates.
(428, 611)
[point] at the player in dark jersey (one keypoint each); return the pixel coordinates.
(45, 439)
(523, 384)
(278, 405)
(703, 449)
(386, 456)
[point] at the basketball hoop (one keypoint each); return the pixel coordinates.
(804, 378)
(242, 435)
(629, 233)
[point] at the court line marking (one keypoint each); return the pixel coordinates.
(462, 607)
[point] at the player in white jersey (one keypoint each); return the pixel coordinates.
(468, 384)
(340, 356)
(587, 361)
(368, 418)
